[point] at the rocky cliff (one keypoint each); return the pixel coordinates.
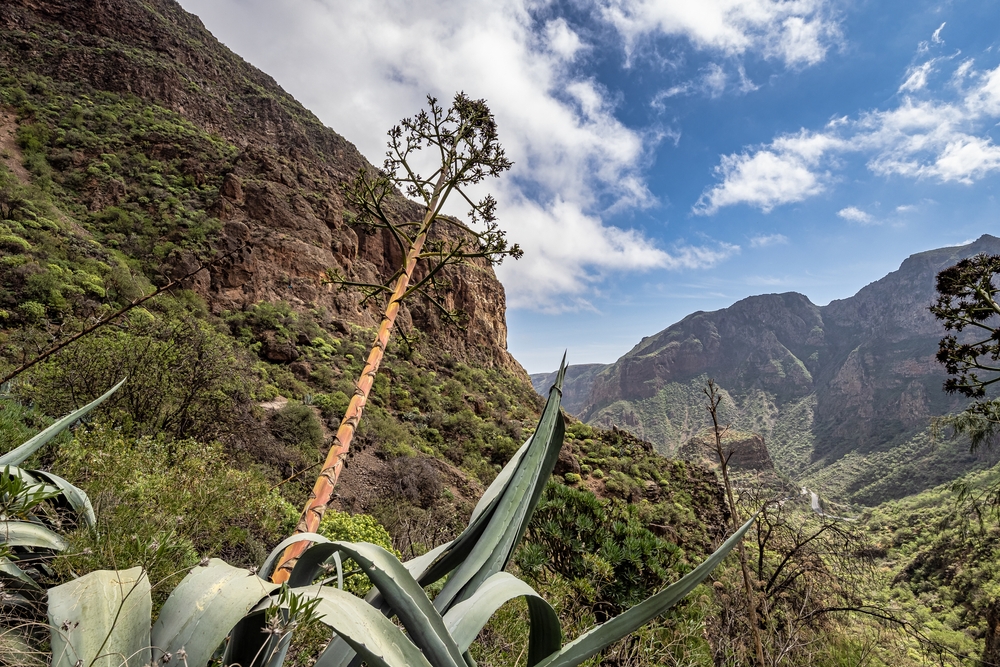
(264, 168)
(847, 382)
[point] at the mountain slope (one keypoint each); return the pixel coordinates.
(856, 378)
(218, 145)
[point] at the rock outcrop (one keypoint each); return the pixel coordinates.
(278, 198)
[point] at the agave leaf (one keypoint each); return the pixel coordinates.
(408, 600)
(267, 566)
(74, 495)
(311, 563)
(597, 638)
(277, 656)
(101, 619)
(18, 455)
(24, 534)
(531, 475)
(11, 571)
(467, 618)
(376, 639)
(247, 640)
(514, 506)
(494, 490)
(204, 607)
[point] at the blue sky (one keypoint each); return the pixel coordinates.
(672, 156)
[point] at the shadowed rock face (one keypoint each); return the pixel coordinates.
(280, 198)
(858, 375)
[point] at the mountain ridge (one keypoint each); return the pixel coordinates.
(858, 375)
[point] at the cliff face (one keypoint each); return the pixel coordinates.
(856, 378)
(276, 190)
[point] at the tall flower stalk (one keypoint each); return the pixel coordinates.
(465, 147)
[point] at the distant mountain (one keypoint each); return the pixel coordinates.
(576, 386)
(843, 394)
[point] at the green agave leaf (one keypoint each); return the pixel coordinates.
(267, 566)
(204, 607)
(277, 656)
(311, 563)
(18, 455)
(24, 534)
(101, 619)
(417, 566)
(454, 554)
(10, 571)
(408, 600)
(376, 639)
(596, 639)
(74, 495)
(467, 618)
(514, 506)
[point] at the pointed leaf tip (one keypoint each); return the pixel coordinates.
(562, 373)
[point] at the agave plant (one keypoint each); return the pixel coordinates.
(27, 538)
(103, 618)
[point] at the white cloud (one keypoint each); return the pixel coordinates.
(562, 40)
(765, 240)
(855, 214)
(361, 66)
(936, 37)
(714, 80)
(782, 172)
(799, 32)
(572, 250)
(926, 136)
(916, 77)
(906, 208)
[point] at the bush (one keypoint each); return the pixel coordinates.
(296, 424)
(602, 548)
(186, 379)
(167, 503)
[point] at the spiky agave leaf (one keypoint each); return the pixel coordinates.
(19, 454)
(440, 641)
(599, 637)
(101, 619)
(497, 524)
(203, 609)
(467, 618)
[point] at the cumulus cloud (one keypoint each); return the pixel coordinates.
(361, 66)
(799, 32)
(573, 250)
(855, 214)
(765, 240)
(935, 135)
(784, 171)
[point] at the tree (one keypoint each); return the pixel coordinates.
(967, 299)
(466, 149)
(714, 398)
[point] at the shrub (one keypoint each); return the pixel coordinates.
(296, 424)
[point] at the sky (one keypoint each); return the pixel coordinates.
(671, 156)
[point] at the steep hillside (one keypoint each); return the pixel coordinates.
(154, 140)
(844, 385)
